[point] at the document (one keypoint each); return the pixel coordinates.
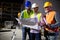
(28, 21)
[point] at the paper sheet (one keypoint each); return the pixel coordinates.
(28, 22)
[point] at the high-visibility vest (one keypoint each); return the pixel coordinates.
(50, 20)
(38, 16)
(50, 17)
(26, 14)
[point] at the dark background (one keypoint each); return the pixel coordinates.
(9, 10)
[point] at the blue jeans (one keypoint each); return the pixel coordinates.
(25, 31)
(53, 37)
(35, 36)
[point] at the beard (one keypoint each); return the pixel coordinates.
(46, 11)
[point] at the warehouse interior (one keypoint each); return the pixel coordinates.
(10, 8)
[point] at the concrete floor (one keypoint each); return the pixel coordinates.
(8, 35)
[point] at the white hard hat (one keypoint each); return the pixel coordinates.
(34, 5)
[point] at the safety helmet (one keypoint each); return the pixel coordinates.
(19, 14)
(34, 5)
(47, 4)
(27, 4)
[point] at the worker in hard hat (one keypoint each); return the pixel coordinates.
(18, 19)
(35, 34)
(26, 14)
(50, 32)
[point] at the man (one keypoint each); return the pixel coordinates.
(50, 31)
(35, 33)
(24, 15)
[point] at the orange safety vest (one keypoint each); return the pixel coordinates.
(50, 20)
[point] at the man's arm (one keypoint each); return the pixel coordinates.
(57, 24)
